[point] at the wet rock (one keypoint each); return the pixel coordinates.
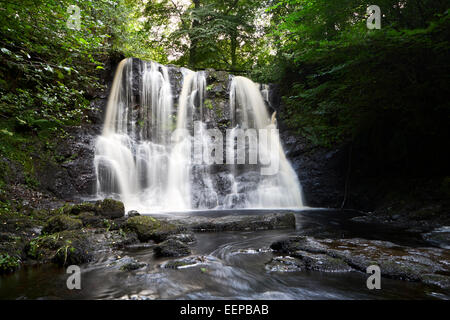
(128, 264)
(437, 280)
(291, 245)
(148, 228)
(270, 221)
(284, 264)
(322, 262)
(188, 262)
(133, 213)
(171, 248)
(60, 223)
(439, 237)
(235, 200)
(428, 265)
(110, 208)
(53, 177)
(184, 237)
(120, 240)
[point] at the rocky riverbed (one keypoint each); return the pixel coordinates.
(258, 244)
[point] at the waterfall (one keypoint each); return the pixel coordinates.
(147, 153)
(248, 110)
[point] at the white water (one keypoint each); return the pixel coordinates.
(249, 110)
(144, 156)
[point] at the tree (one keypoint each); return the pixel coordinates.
(208, 33)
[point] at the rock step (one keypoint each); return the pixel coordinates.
(270, 221)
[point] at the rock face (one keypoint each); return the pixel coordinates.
(429, 265)
(321, 171)
(321, 174)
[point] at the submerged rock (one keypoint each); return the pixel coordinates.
(184, 237)
(171, 248)
(284, 264)
(128, 264)
(189, 262)
(60, 223)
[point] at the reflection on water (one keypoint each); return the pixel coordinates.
(231, 266)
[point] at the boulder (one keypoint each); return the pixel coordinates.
(110, 208)
(171, 248)
(81, 207)
(60, 223)
(91, 220)
(148, 228)
(133, 213)
(64, 248)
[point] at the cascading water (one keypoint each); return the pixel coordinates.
(144, 155)
(248, 110)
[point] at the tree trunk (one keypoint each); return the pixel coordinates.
(194, 42)
(233, 48)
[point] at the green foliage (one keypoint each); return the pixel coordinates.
(48, 73)
(340, 80)
(8, 263)
(224, 35)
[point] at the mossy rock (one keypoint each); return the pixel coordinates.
(64, 248)
(148, 228)
(82, 207)
(60, 223)
(110, 208)
(91, 220)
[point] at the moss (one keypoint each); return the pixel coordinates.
(148, 228)
(63, 248)
(82, 207)
(60, 223)
(208, 104)
(110, 208)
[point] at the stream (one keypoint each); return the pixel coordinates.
(231, 266)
